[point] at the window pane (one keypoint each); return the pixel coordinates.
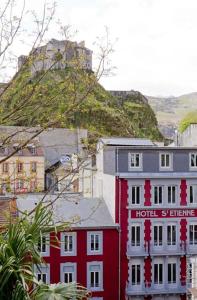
(167, 160)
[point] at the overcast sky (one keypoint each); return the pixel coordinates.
(156, 48)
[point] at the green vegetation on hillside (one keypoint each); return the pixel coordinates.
(190, 118)
(75, 99)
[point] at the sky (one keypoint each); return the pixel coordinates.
(154, 41)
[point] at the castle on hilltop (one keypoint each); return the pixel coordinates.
(59, 55)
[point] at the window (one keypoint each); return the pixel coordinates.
(32, 150)
(33, 166)
(171, 194)
(193, 194)
(172, 273)
(158, 194)
(44, 244)
(158, 273)
(135, 161)
(189, 273)
(158, 235)
(135, 235)
(193, 234)
(95, 276)
(193, 160)
(135, 275)
(68, 272)
(135, 195)
(5, 167)
(19, 167)
(95, 242)
(19, 184)
(171, 235)
(165, 161)
(42, 273)
(68, 243)
(42, 277)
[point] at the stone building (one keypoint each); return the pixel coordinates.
(59, 55)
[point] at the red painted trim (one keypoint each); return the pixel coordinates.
(183, 233)
(147, 271)
(147, 193)
(183, 266)
(147, 234)
(117, 203)
(183, 194)
(124, 236)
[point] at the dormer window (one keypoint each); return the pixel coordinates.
(135, 161)
(32, 149)
(165, 161)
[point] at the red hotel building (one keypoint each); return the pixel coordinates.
(156, 207)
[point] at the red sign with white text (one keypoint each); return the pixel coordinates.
(163, 213)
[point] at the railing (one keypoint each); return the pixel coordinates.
(155, 289)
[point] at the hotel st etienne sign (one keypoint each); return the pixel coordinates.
(163, 213)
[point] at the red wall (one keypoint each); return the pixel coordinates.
(109, 258)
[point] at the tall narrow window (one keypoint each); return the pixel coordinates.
(135, 235)
(68, 274)
(19, 167)
(171, 194)
(135, 195)
(171, 235)
(172, 273)
(68, 243)
(95, 276)
(135, 275)
(42, 244)
(33, 166)
(158, 273)
(193, 194)
(94, 246)
(158, 235)
(158, 194)
(5, 167)
(193, 234)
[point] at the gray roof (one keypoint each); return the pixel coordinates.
(55, 142)
(126, 142)
(61, 141)
(81, 212)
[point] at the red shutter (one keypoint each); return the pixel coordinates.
(147, 235)
(147, 271)
(183, 194)
(183, 266)
(147, 193)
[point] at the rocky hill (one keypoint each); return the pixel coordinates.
(170, 111)
(36, 101)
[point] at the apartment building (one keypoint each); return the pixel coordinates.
(87, 253)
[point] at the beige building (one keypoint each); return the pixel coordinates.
(24, 171)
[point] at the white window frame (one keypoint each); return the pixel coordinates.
(100, 287)
(68, 264)
(158, 244)
(194, 187)
(165, 168)
(192, 244)
(135, 244)
(176, 231)
(47, 252)
(134, 168)
(190, 160)
(135, 187)
(176, 188)
(158, 263)
(136, 264)
(74, 242)
(153, 194)
(43, 269)
(171, 271)
(89, 250)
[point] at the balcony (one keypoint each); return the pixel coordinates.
(155, 289)
(158, 250)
